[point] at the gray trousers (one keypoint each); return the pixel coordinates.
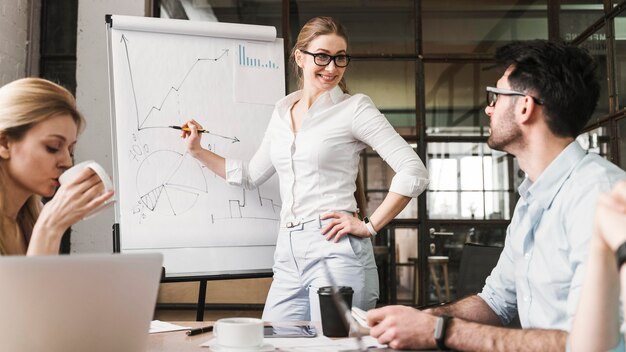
(298, 272)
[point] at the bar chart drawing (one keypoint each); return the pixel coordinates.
(245, 60)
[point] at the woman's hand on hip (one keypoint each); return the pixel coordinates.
(343, 224)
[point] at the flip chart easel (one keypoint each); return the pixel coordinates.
(225, 76)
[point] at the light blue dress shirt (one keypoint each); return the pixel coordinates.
(540, 272)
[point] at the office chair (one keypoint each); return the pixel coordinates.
(476, 264)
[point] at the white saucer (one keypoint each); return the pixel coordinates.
(263, 348)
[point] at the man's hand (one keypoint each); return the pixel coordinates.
(402, 327)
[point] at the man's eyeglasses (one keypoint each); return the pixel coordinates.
(320, 59)
(493, 92)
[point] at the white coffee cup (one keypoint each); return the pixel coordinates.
(244, 333)
(73, 172)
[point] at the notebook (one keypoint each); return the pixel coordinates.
(97, 302)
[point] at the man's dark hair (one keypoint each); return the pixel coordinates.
(562, 76)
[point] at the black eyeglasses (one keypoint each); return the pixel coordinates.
(493, 92)
(320, 59)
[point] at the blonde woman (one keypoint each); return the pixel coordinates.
(39, 125)
(313, 143)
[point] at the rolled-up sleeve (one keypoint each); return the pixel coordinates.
(499, 291)
(372, 128)
(252, 174)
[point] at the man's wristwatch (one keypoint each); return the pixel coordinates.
(620, 255)
(441, 326)
(369, 226)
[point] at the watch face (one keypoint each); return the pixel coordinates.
(439, 328)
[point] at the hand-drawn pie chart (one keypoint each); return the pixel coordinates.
(169, 182)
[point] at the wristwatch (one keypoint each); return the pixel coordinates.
(620, 255)
(369, 226)
(440, 332)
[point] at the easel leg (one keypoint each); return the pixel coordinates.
(201, 298)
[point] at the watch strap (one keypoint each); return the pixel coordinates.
(620, 255)
(369, 226)
(440, 332)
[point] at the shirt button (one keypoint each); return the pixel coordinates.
(526, 298)
(527, 255)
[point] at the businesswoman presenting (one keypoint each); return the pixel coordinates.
(313, 142)
(39, 125)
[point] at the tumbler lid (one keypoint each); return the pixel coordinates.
(343, 290)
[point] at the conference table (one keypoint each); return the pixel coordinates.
(178, 341)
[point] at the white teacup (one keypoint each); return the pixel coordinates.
(73, 172)
(243, 333)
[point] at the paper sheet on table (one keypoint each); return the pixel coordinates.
(161, 326)
(319, 343)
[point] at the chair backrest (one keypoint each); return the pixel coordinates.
(477, 262)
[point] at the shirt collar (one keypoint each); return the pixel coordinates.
(332, 96)
(335, 94)
(284, 104)
(549, 183)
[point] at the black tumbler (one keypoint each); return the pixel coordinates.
(332, 322)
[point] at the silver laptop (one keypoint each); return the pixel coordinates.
(78, 302)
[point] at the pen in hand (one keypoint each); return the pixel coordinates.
(201, 330)
(187, 129)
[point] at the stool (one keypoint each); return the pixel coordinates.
(443, 261)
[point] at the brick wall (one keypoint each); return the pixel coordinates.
(13, 39)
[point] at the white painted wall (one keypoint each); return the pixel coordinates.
(13, 39)
(92, 94)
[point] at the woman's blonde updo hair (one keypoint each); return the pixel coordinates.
(23, 104)
(312, 29)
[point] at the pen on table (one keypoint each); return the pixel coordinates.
(201, 330)
(187, 129)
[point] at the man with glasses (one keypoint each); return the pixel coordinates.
(537, 108)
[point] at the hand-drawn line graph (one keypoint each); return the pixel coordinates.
(143, 123)
(169, 182)
(238, 209)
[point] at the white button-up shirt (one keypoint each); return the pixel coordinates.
(317, 167)
(540, 272)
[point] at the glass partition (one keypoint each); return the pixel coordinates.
(374, 26)
(461, 26)
(455, 97)
(596, 44)
(267, 13)
(576, 15)
(451, 248)
(621, 124)
(596, 141)
(391, 86)
(620, 59)
(469, 181)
